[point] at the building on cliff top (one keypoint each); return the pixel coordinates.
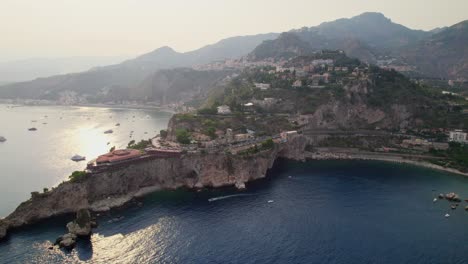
(118, 156)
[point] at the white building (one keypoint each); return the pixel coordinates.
(224, 110)
(262, 86)
(458, 136)
(285, 136)
(297, 83)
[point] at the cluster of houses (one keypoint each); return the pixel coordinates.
(423, 144)
(315, 74)
(237, 64)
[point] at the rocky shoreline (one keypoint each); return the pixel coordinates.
(102, 191)
(105, 190)
(395, 158)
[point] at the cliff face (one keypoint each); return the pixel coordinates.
(353, 111)
(102, 191)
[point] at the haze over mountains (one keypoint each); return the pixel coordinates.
(122, 78)
(28, 69)
(370, 37)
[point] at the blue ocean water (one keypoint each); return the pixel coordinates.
(314, 212)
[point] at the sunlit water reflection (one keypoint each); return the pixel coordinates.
(326, 212)
(33, 160)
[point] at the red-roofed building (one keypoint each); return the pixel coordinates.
(118, 156)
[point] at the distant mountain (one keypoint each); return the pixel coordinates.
(286, 45)
(123, 77)
(175, 85)
(28, 69)
(365, 36)
(372, 29)
(443, 55)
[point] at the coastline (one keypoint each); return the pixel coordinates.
(113, 106)
(115, 188)
(394, 158)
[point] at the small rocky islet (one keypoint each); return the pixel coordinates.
(81, 227)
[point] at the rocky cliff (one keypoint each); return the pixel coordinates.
(101, 191)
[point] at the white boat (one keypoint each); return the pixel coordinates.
(78, 158)
(447, 215)
(270, 201)
(110, 131)
(435, 200)
(2, 139)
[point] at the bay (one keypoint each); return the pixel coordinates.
(314, 212)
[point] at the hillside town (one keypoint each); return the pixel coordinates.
(266, 107)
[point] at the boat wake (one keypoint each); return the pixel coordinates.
(214, 199)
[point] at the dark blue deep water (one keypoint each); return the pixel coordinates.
(319, 212)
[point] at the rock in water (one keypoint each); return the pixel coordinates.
(3, 229)
(67, 241)
(240, 185)
(452, 197)
(82, 225)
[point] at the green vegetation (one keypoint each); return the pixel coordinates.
(163, 133)
(35, 194)
(391, 88)
(208, 111)
(183, 136)
(211, 132)
(77, 176)
(265, 145)
(457, 156)
(184, 117)
(112, 149)
(140, 145)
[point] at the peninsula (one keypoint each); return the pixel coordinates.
(320, 106)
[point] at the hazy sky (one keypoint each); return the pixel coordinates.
(56, 28)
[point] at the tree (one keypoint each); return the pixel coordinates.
(208, 111)
(268, 144)
(77, 176)
(183, 136)
(163, 133)
(211, 132)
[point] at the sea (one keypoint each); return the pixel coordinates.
(34, 160)
(302, 212)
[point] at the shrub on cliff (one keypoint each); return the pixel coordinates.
(268, 144)
(77, 176)
(140, 145)
(163, 133)
(207, 111)
(183, 136)
(211, 132)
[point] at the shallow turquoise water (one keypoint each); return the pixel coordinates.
(30, 161)
(315, 212)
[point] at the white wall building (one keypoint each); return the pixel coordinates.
(458, 136)
(224, 110)
(262, 86)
